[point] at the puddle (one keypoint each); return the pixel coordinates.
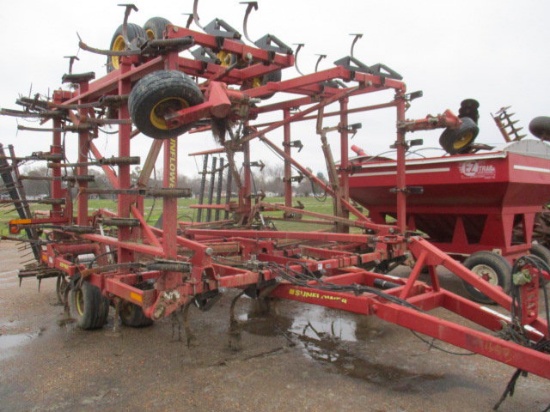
(10, 342)
(328, 337)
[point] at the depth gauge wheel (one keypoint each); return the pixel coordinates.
(155, 26)
(136, 36)
(491, 267)
(88, 306)
(158, 94)
(456, 141)
(275, 76)
(132, 315)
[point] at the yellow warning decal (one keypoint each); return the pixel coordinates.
(315, 295)
(136, 297)
(20, 222)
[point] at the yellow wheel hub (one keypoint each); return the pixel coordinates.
(225, 58)
(463, 141)
(118, 45)
(150, 34)
(164, 107)
(79, 302)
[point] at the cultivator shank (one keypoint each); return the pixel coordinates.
(223, 86)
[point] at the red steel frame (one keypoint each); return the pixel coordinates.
(341, 258)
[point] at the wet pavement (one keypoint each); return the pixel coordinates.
(297, 357)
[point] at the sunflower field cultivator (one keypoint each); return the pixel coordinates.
(164, 80)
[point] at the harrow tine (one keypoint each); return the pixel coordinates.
(321, 57)
(71, 62)
(234, 329)
(129, 7)
(250, 5)
(357, 37)
(300, 45)
(189, 19)
(196, 18)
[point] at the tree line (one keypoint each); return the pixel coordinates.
(268, 180)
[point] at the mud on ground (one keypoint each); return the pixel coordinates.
(300, 358)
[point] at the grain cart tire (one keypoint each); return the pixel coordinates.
(160, 93)
(491, 267)
(456, 141)
(155, 26)
(136, 36)
(543, 253)
(88, 306)
(540, 127)
(132, 315)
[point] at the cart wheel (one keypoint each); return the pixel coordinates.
(88, 306)
(160, 93)
(61, 288)
(541, 252)
(275, 76)
(136, 36)
(226, 59)
(132, 315)
(493, 268)
(540, 127)
(155, 26)
(456, 141)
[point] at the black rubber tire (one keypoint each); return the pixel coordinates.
(543, 253)
(160, 92)
(132, 315)
(456, 141)
(136, 36)
(155, 26)
(88, 306)
(492, 265)
(540, 127)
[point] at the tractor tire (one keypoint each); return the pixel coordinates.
(160, 93)
(132, 315)
(456, 141)
(136, 36)
(540, 127)
(543, 254)
(155, 27)
(493, 268)
(88, 306)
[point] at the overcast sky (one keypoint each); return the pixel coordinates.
(494, 51)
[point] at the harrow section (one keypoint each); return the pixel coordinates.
(225, 85)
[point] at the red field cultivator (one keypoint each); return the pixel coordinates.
(164, 80)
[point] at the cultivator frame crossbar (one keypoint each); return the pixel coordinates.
(148, 272)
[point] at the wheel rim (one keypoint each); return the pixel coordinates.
(118, 45)
(164, 107)
(487, 273)
(79, 301)
(463, 141)
(225, 58)
(126, 310)
(150, 34)
(256, 82)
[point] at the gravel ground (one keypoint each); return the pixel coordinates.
(300, 357)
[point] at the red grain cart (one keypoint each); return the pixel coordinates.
(480, 208)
